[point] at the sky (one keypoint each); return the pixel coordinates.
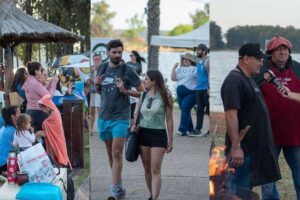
(229, 13)
(173, 12)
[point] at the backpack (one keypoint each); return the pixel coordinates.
(101, 70)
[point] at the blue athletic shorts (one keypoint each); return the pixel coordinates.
(112, 129)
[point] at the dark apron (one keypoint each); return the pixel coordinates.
(258, 143)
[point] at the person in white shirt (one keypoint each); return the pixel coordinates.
(186, 78)
(24, 136)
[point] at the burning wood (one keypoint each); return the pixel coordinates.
(219, 173)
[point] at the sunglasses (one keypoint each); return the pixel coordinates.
(149, 104)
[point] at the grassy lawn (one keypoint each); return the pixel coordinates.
(285, 185)
(83, 173)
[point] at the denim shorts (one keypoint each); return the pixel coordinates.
(110, 129)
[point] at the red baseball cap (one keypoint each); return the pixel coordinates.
(277, 41)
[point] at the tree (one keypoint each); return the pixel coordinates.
(181, 29)
(100, 23)
(153, 22)
(136, 27)
(237, 36)
(200, 17)
(215, 38)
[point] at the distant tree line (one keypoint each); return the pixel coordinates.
(236, 36)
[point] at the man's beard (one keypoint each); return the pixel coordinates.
(199, 55)
(115, 61)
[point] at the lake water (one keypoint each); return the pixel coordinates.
(221, 63)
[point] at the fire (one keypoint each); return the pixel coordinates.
(217, 167)
(217, 164)
(211, 188)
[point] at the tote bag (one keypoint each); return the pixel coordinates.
(36, 162)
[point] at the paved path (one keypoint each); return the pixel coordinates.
(184, 171)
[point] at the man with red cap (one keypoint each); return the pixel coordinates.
(249, 141)
(284, 113)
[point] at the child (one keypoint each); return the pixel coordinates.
(24, 136)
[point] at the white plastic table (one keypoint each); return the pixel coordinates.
(9, 191)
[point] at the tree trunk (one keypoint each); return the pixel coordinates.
(1, 55)
(8, 71)
(153, 29)
(28, 53)
(28, 47)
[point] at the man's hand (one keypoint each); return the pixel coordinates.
(120, 85)
(98, 80)
(236, 156)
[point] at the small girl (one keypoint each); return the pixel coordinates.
(24, 136)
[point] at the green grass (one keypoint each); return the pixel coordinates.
(83, 174)
(285, 185)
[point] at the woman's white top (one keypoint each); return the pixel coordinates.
(187, 76)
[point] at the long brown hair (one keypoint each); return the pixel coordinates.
(155, 75)
(22, 121)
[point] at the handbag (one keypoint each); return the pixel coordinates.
(132, 149)
(15, 99)
(36, 162)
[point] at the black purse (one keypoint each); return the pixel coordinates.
(132, 149)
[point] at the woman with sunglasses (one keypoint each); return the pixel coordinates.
(136, 62)
(156, 129)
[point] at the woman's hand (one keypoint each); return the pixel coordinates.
(176, 65)
(170, 146)
(134, 129)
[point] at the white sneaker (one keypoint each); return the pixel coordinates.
(179, 133)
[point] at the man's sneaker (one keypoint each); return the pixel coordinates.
(116, 193)
(111, 197)
(198, 134)
(195, 134)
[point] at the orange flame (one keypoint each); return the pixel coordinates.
(211, 188)
(217, 165)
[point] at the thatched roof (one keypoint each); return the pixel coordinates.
(16, 27)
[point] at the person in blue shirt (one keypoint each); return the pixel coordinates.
(20, 77)
(10, 115)
(202, 88)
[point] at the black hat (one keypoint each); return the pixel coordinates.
(251, 49)
(203, 47)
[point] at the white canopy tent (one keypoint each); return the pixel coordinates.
(188, 40)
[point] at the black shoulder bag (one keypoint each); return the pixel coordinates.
(132, 149)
